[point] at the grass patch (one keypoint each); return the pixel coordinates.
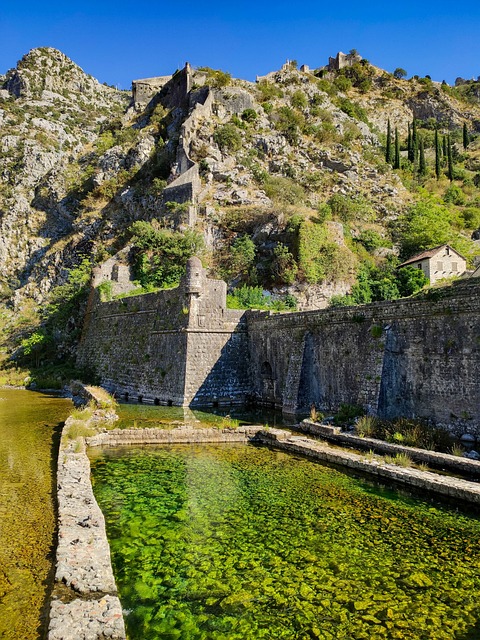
(79, 429)
(400, 459)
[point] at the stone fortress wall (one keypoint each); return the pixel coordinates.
(413, 358)
(180, 346)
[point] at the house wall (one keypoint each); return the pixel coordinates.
(446, 264)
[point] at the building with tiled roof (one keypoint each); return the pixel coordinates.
(438, 263)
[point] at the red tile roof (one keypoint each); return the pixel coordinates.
(428, 254)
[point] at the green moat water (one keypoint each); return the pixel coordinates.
(144, 416)
(29, 433)
(235, 542)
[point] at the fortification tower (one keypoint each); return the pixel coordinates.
(195, 277)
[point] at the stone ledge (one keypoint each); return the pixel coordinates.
(87, 620)
(179, 435)
(446, 486)
(432, 458)
(84, 604)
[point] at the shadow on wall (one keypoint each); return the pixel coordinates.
(227, 381)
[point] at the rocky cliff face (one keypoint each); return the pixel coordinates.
(79, 164)
(50, 112)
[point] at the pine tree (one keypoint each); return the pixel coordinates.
(422, 165)
(437, 154)
(388, 152)
(466, 138)
(396, 161)
(450, 159)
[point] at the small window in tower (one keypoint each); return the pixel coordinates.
(454, 266)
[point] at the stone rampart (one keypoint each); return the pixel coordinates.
(416, 358)
(187, 186)
(181, 346)
(144, 89)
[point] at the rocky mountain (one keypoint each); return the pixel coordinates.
(285, 181)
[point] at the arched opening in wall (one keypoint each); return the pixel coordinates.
(266, 370)
(126, 396)
(170, 403)
(156, 402)
(140, 399)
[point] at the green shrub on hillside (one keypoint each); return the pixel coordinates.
(268, 91)
(283, 190)
(159, 255)
(290, 123)
(426, 224)
(299, 100)
(384, 282)
(246, 297)
(319, 257)
(228, 137)
(216, 78)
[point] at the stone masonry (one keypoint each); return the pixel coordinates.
(176, 347)
(415, 357)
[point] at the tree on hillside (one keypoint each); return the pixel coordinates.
(444, 148)
(396, 161)
(426, 224)
(388, 151)
(422, 165)
(414, 142)
(409, 143)
(437, 155)
(449, 159)
(466, 137)
(399, 73)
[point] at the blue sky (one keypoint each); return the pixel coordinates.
(120, 41)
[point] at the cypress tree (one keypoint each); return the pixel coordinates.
(450, 159)
(396, 162)
(409, 144)
(422, 165)
(466, 138)
(414, 142)
(411, 148)
(388, 152)
(445, 149)
(437, 154)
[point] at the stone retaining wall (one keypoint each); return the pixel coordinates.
(181, 435)
(433, 459)
(445, 486)
(84, 602)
